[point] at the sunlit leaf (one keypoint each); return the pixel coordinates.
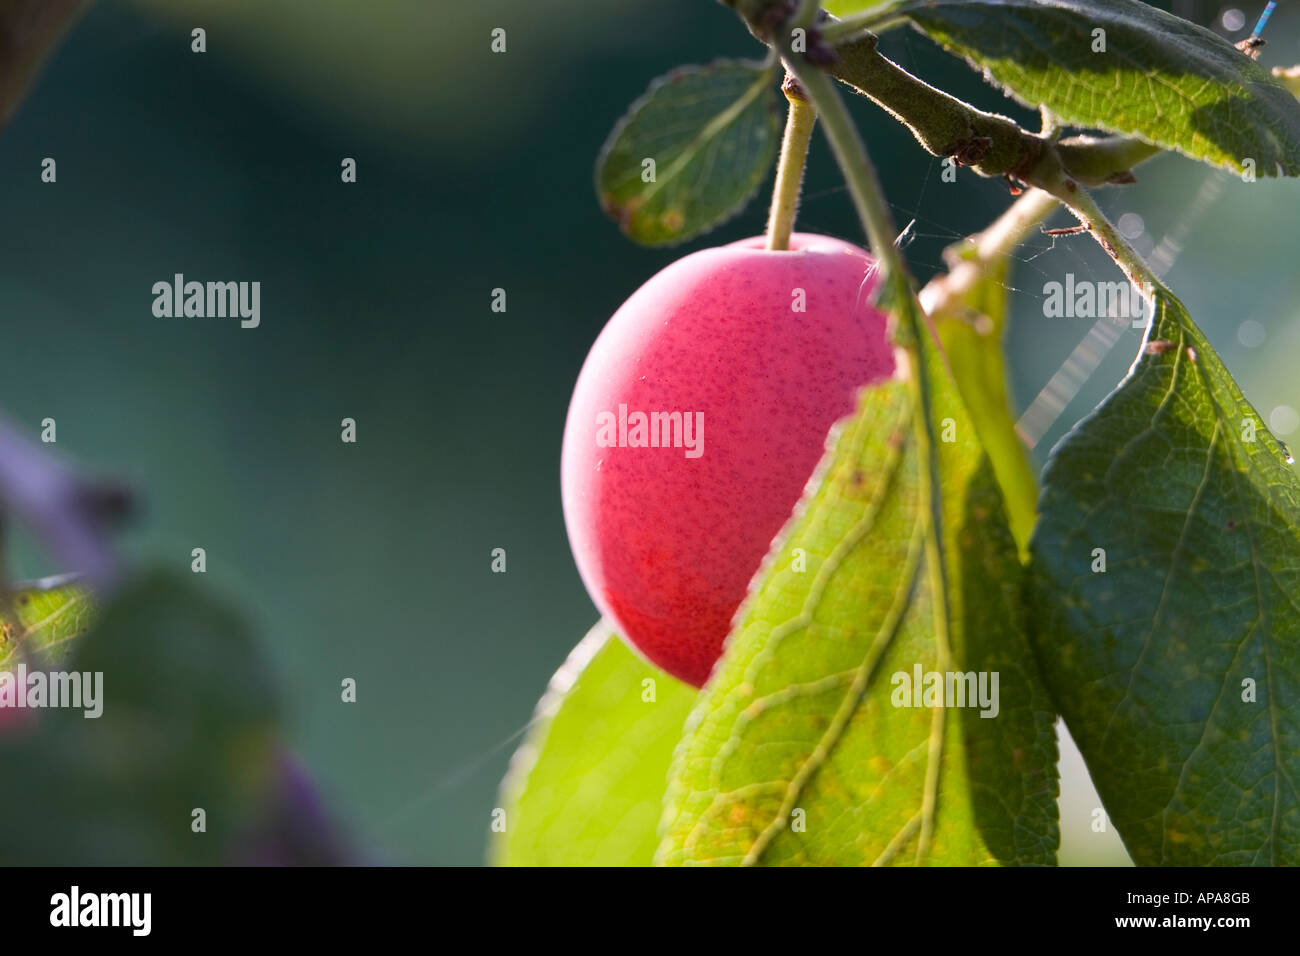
(586, 788)
(48, 616)
(899, 560)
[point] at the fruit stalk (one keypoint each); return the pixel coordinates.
(789, 170)
(851, 156)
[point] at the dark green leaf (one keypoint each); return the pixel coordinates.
(1160, 78)
(711, 134)
(796, 752)
(586, 788)
(1177, 668)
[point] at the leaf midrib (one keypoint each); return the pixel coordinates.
(884, 638)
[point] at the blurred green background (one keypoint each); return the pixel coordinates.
(372, 560)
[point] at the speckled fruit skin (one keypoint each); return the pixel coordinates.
(667, 544)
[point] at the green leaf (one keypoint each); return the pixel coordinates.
(1160, 79)
(188, 719)
(50, 615)
(843, 8)
(972, 331)
(796, 752)
(711, 133)
(586, 788)
(1177, 668)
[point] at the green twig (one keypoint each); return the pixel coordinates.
(1102, 160)
(1077, 199)
(992, 144)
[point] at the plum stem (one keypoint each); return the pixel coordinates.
(851, 156)
(789, 169)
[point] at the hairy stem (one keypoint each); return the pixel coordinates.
(851, 155)
(789, 169)
(1077, 199)
(944, 125)
(992, 144)
(1098, 160)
